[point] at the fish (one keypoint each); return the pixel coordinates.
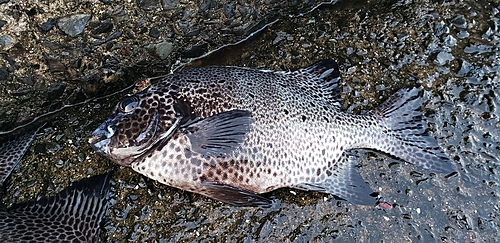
(12, 150)
(72, 215)
(235, 133)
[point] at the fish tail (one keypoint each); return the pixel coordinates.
(401, 116)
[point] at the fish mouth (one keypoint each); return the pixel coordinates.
(101, 139)
(102, 142)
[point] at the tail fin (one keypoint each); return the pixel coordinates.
(402, 116)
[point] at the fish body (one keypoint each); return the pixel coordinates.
(233, 133)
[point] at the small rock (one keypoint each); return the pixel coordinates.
(48, 25)
(229, 10)
(463, 34)
(77, 96)
(153, 32)
(162, 49)
(443, 57)
(464, 69)
(4, 73)
(169, 4)
(459, 22)
(207, 4)
(55, 91)
(196, 51)
(104, 27)
(147, 5)
(2, 23)
(450, 41)
(5, 40)
(55, 65)
(73, 25)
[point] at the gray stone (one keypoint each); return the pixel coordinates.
(55, 91)
(147, 5)
(73, 25)
(2, 23)
(169, 4)
(164, 49)
(5, 40)
(48, 25)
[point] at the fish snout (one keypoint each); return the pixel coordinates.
(101, 138)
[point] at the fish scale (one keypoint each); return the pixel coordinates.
(233, 133)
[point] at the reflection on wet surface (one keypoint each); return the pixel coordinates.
(451, 49)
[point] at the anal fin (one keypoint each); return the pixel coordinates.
(234, 196)
(346, 184)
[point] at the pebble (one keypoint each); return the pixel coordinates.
(55, 91)
(459, 22)
(4, 73)
(443, 57)
(153, 32)
(169, 4)
(73, 25)
(48, 25)
(162, 50)
(5, 41)
(2, 23)
(147, 5)
(104, 27)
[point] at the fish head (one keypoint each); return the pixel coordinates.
(137, 123)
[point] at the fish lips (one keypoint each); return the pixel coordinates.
(102, 141)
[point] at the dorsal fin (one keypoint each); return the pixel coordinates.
(325, 76)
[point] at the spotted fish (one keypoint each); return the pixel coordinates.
(232, 133)
(73, 215)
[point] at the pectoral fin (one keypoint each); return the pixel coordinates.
(219, 134)
(234, 196)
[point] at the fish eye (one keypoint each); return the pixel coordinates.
(129, 104)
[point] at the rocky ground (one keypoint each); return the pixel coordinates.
(67, 59)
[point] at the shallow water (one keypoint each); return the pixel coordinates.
(450, 49)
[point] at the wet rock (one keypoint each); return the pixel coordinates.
(207, 4)
(196, 51)
(169, 4)
(229, 10)
(443, 57)
(110, 37)
(162, 50)
(73, 25)
(450, 41)
(153, 32)
(52, 147)
(104, 27)
(463, 34)
(55, 91)
(76, 97)
(4, 1)
(2, 23)
(55, 65)
(4, 73)
(147, 5)
(464, 69)
(5, 41)
(440, 28)
(48, 25)
(459, 22)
